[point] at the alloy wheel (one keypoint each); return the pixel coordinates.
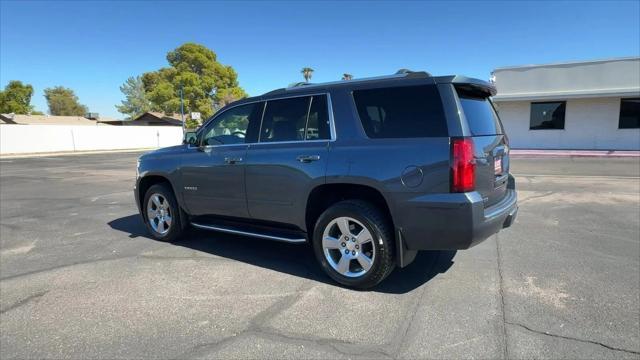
(348, 247)
(159, 214)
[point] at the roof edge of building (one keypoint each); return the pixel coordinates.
(569, 94)
(626, 58)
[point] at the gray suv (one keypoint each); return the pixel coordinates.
(368, 171)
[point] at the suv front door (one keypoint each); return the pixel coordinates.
(213, 173)
(289, 159)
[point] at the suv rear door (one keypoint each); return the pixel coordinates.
(491, 150)
(289, 159)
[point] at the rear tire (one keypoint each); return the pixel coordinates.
(161, 213)
(354, 244)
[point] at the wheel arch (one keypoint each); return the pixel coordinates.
(149, 180)
(323, 196)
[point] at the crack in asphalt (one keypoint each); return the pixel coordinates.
(401, 339)
(257, 327)
(505, 350)
(24, 301)
(346, 348)
(187, 258)
(546, 333)
(11, 226)
(11, 277)
(151, 257)
(548, 193)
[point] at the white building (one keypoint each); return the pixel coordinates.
(578, 105)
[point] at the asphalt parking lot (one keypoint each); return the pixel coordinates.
(79, 277)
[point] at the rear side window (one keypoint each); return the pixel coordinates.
(318, 123)
(285, 120)
(481, 116)
(401, 112)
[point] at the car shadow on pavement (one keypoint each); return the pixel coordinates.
(294, 259)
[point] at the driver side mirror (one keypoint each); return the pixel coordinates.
(190, 138)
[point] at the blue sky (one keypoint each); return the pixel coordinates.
(92, 47)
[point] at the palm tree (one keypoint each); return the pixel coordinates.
(346, 76)
(307, 72)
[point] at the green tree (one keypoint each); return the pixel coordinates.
(346, 76)
(136, 102)
(307, 73)
(63, 101)
(191, 124)
(16, 98)
(226, 96)
(207, 84)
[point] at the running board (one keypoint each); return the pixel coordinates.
(231, 230)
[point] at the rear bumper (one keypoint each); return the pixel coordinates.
(453, 221)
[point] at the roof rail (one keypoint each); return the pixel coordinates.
(402, 73)
(274, 91)
(409, 72)
(298, 84)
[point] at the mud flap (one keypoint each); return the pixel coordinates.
(404, 256)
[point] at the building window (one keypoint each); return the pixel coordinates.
(629, 114)
(547, 115)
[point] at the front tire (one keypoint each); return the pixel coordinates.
(161, 213)
(353, 241)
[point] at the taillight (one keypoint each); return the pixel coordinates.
(463, 167)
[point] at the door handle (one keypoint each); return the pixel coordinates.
(232, 160)
(308, 158)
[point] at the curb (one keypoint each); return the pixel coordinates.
(71, 153)
(576, 153)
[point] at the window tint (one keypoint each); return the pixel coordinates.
(547, 115)
(401, 112)
(285, 120)
(318, 123)
(481, 116)
(629, 114)
(231, 126)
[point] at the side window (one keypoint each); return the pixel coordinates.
(401, 112)
(318, 123)
(376, 115)
(231, 126)
(285, 120)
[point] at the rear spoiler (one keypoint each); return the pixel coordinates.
(475, 85)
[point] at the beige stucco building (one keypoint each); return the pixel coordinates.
(576, 105)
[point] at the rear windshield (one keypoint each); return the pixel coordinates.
(401, 112)
(480, 114)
